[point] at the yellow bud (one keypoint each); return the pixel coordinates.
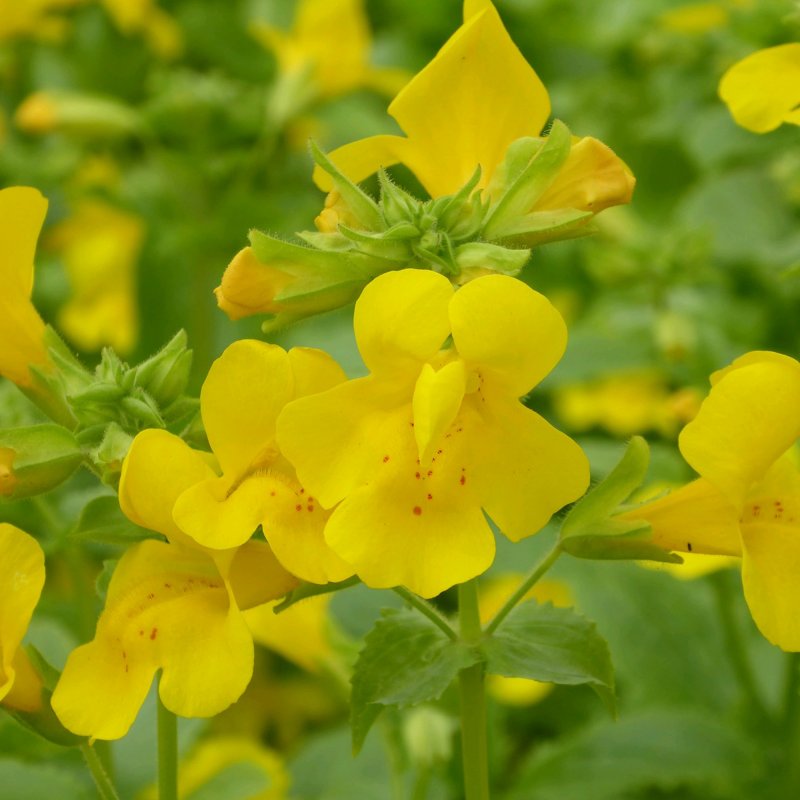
(37, 114)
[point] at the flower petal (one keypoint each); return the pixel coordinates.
(593, 178)
(748, 420)
(513, 335)
(415, 524)
(401, 319)
(697, 518)
(167, 608)
(241, 398)
(524, 469)
(763, 89)
(437, 400)
(362, 158)
(466, 107)
(22, 579)
(22, 213)
(159, 467)
(337, 439)
(314, 371)
(219, 517)
(256, 576)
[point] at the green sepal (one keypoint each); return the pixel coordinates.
(333, 242)
(396, 204)
(102, 521)
(360, 204)
(165, 376)
(306, 590)
(378, 244)
(44, 722)
(110, 453)
(482, 255)
(528, 184)
(546, 226)
(405, 660)
(591, 529)
(555, 645)
(38, 458)
(143, 410)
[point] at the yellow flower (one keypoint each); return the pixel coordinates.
(465, 108)
(22, 579)
(746, 501)
(695, 18)
(762, 91)
(492, 595)
(100, 247)
(224, 757)
(301, 633)
(626, 404)
(330, 43)
(171, 606)
(22, 213)
(414, 452)
(36, 18)
(246, 389)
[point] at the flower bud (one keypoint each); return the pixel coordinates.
(165, 375)
(36, 459)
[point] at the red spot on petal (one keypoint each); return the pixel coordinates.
(462, 480)
(272, 493)
(151, 596)
(438, 452)
(430, 472)
(302, 491)
(298, 507)
(385, 459)
(417, 475)
(430, 497)
(167, 585)
(153, 634)
(141, 633)
(417, 510)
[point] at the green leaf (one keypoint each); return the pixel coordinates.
(665, 750)
(23, 781)
(554, 645)
(405, 660)
(102, 520)
(591, 530)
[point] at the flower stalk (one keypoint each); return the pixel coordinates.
(167, 753)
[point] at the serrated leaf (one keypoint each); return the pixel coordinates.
(102, 521)
(663, 750)
(554, 645)
(405, 660)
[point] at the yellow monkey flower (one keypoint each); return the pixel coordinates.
(100, 247)
(762, 91)
(171, 606)
(22, 579)
(22, 213)
(416, 451)
(746, 501)
(465, 109)
(246, 389)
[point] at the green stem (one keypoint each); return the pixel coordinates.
(538, 571)
(791, 722)
(425, 608)
(736, 648)
(105, 787)
(421, 784)
(473, 700)
(167, 754)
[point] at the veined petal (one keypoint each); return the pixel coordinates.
(220, 516)
(337, 439)
(466, 107)
(401, 319)
(22, 213)
(511, 334)
(241, 398)
(697, 518)
(748, 420)
(593, 178)
(524, 469)
(763, 89)
(167, 608)
(437, 400)
(22, 579)
(415, 524)
(159, 467)
(314, 371)
(22, 335)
